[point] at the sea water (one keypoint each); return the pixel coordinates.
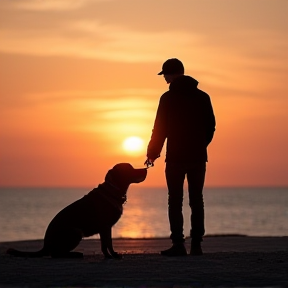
(26, 212)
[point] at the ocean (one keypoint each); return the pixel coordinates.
(26, 212)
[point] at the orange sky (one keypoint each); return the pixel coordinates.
(78, 77)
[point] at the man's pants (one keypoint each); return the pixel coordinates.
(175, 176)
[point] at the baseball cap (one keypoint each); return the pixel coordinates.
(172, 66)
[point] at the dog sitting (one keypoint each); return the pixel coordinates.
(95, 213)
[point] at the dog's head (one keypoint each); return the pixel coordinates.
(123, 174)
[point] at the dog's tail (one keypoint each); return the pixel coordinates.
(36, 254)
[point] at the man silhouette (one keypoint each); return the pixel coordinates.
(185, 118)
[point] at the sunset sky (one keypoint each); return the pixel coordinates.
(77, 77)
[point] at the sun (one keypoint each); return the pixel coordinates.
(133, 144)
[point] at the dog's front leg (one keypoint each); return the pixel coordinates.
(106, 244)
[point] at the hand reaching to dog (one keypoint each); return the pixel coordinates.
(149, 162)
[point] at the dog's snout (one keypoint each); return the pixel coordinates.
(126, 173)
(139, 175)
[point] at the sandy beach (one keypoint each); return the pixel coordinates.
(229, 261)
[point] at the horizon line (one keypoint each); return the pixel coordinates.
(146, 187)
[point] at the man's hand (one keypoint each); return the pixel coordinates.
(149, 163)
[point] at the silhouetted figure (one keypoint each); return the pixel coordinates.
(185, 117)
(95, 213)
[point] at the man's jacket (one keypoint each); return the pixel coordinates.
(185, 117)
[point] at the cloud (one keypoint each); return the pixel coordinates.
(103, 99)
(96, 31)
(223, 54)
(50, 5)
(132, 111)
(91, 39)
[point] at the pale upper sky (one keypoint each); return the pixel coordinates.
(79, 77)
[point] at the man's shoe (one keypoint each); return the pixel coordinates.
(196, 249)
(175, 250)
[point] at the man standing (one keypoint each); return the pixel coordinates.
(185, 117)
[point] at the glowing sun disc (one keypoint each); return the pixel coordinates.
(133, 144)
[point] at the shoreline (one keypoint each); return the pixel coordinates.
(161, 237)
(228, 261)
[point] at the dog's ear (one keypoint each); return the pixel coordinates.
(109, 176)
(114, 177)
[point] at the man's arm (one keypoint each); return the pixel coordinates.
(159, 133)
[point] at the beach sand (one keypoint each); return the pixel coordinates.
(228, 261)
